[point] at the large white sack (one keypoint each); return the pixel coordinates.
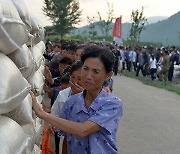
(13, 86)
(36, 150)
(23, 12)
(46, 101)
(13, 32)
(37, 83)
(34, 24)
(24, 61)
(30, 132)
(41, 46)
(23, 113)
(38, 33)
(38, 131)
(38, 56)
(177, 67)
(13, 140)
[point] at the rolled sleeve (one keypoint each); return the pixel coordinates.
(108, 116)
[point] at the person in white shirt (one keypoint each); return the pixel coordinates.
(76, 87)
(153, 67)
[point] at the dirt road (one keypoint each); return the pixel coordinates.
(151, 121)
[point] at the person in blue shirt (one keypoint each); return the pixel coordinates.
(89, 119)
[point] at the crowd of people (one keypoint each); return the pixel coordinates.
(155, 62)
(78, 80)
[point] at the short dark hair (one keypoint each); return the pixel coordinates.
(65, 61)
(104, 54)
(65, 78)
(77, 65)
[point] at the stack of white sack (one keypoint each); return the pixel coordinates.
(13, 140)
(21, 69)
(177, 71)
(13, 32)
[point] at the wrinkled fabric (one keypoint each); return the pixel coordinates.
(12, 137)
(13, 87)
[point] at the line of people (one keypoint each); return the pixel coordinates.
(148, 60)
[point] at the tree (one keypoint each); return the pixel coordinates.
(65, 14)
(106, 25)
(137, 26)
(92, 26)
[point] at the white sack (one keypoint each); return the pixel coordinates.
(13, 32)
(34, 24)
(46, 101)
(38, 131)
(13, 140)
(13, 87)
(24, 61)
(38, 56)
(23, 113)
(37, 83)
(23, 12)
(41, 46)
(39, 99)
(41, 69)
(37, 150)
(30, 132)
(177, 67)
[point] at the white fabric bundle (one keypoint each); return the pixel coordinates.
(14, 88)
(37, 83)
(13, 140)
(177, 71)
(46, 101)
(38, 131)
(13, 32)
(24, 61)
(41, 46)
(40, 98)
(23, 113)
(34, 24)
(37, 150)
(38, 56)
(23, 12)
(37, 30)
(177, 67)
(30, 132)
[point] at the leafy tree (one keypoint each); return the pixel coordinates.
(106, 25)
(65, 14)
(138, 25)
(92, 26)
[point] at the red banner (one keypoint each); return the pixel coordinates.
(117, 30)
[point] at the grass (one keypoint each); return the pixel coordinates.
(147, 80)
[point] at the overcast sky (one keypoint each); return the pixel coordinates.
(121, 7)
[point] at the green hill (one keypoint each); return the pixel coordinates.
(166, 31)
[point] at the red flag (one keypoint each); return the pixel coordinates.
(117, 30)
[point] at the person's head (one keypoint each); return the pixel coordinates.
(65, 81)
(72, 51)
(57, 48)
(97, 67)
(75, 75)
(165, 52)
(48, 49)
(79, 52)
(63, 63)
(64, 50)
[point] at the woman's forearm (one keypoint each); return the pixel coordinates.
(75, 128)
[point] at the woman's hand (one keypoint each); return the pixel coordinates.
(48, 75)
(36, 107)
(76, 88)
